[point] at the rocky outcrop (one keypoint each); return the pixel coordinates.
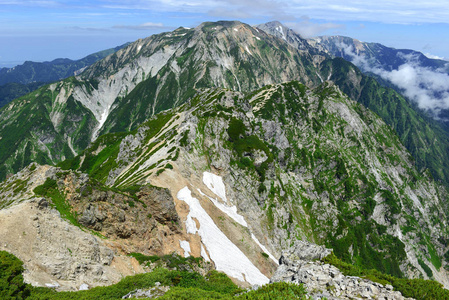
(146, 219)
(301, 265)
(161, 204)
(56, 253)
(155, 292)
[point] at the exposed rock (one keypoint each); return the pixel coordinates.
(160, 204)
(155, 292)
(300, 264)
(304, 251)
(56, 253)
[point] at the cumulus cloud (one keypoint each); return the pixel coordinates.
(429, 88)
(402, 11)
(307, 28)
(434, 56)
(245, 9)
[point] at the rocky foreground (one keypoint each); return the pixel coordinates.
(301, 265)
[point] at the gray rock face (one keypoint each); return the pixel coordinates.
(160, 203)
(55, 253)
(155, 292)
(300, 265)
(304, 251)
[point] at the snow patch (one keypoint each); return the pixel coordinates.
(226, 256)
(279, 29)
(52, 285)
(204, 253)
(186, 247)
(258, 38)
(235, 29)
(231, 211)
(264, 249)
(247, 50)
(215, 184)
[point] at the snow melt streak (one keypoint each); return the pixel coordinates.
(185, 245)
(264, 249)
(231, 211)
(226, 256)
(215, 184)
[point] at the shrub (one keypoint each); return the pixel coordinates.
(419, 289)
(11, 280)
(43, 189)
(278, 290)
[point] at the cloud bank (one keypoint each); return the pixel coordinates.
(429, 88)
(144, 26)
(306, 28)
(398, 11)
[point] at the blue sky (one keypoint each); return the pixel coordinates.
(40, 30)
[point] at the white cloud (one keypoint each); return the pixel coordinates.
(307, 28)
(387, 11)
(428, 88)
(93, 29)
(144, 26)
(434, 56)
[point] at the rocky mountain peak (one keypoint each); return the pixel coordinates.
(229, 143)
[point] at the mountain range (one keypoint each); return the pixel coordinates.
(227, 142)
(23, 79)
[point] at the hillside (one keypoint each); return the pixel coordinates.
(199, 143)
(424, 137)
(268, 168)
(23, 79)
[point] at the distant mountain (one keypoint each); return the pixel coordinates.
(375, 54)
(423, 80)
(126, 88)
(50, 71)
(11, 91)
(25, 78)
(165, 70)
(425, 138)
(227, 142)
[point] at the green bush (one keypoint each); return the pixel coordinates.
(419, 289)
(11, 280)
(183, 285)
(141, 258)
(43, 189)
(278, 290)
(50, 189)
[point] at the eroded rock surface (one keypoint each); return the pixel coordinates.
(56, 253)
(301, 264)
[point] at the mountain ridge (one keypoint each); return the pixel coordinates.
(204, 124)
(23, 79)
(277, 185)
